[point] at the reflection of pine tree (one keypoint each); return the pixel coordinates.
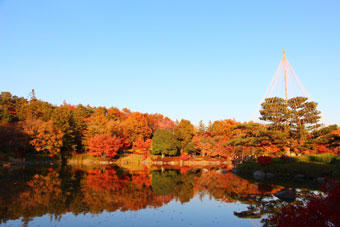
(164, 183)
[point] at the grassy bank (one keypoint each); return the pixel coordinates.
(87, 160)
(306, 171)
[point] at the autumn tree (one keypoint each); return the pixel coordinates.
(114, 113)
(105, 145)
(166, 123)
(201, 128)
(223, 128)
(13, 140)
(62, 118)
(142, 146)
(100, 124)
(45, 136)
(136, 127)
(80, 115)
(158, 121)
(184, 132)
(37, 109)
(328, 136)
(5, 117)
(10, 107)
(164, 143)
(206, 145)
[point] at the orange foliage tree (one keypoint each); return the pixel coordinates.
(212, 146)
(136, 127)
(142, 146)
(158, 121)
(223, 128)
(44, 135)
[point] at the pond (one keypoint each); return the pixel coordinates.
(112, 196)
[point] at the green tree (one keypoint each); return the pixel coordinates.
(184, 132)
(258, 136)
(329, 136)
(275, 111)
(80, 114)
(5, 116)
(37, 109)
(7, 107)
(297, 115)
(62, 118)
(164, 143)
(303, 116)
(190, 148)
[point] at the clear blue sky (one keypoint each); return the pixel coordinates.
(196, 60)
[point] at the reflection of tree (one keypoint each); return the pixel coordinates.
(170, 182)
(229, 187)
(108, 190)
(185, 188)
(163, 183)
(44, 195)
(112, 189)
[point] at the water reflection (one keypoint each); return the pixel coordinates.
(30, 193)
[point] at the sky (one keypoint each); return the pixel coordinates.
(196, 60)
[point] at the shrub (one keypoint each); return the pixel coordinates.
(185, 157)
(264, 160)
(318, 211)
(335, 160)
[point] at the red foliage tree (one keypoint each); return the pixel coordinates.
(105, 145)
(318, 211)
(142, 146)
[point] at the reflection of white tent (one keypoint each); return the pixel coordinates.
(285, 84)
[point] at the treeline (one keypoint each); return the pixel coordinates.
(30, 126)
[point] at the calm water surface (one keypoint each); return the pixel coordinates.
(111, 196)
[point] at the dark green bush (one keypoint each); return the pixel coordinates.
(323, 158)
(164, 142)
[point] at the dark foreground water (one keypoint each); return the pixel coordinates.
(111, 196)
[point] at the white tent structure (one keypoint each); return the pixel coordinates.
(285, 84)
